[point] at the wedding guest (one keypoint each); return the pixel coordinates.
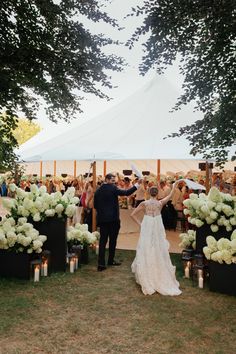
(140, 194)
(88, 205)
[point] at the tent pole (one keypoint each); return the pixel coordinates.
(158, 170)
(94, 224)
(41, 169)
(104, 168)
(75, 174)
(207, 178)
(54, 168)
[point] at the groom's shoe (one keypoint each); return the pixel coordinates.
(101, 268)
(114, 263)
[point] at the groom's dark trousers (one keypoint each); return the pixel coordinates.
(108, 218)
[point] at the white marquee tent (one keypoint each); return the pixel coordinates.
(131, 130)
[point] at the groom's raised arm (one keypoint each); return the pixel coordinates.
(129, 191)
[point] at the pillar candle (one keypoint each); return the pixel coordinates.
(45, 269)
(72, 266)
(200, 282)
(36, 273)
(186, 272)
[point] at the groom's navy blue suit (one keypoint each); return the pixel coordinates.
(108, 218)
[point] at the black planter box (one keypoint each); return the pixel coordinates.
(84, 259)
(222, 278)
(204, 231)
(15, 265)
(55, 230)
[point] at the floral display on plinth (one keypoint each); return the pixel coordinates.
(188, 239)
(79, 235)
(39, 205)
(216, 209)
(20, 236)
(223, 250)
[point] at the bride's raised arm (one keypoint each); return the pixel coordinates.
(168, 197)
(136, 211)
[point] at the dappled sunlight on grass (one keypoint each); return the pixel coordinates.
(106, 312)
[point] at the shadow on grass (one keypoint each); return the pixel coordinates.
(106, 312)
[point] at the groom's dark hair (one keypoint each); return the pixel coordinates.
(109, 176)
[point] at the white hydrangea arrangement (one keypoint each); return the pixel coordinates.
(216, 209)
(20, 236)
(79, 234)
(188, 239)
(223, 250)
(38, 204)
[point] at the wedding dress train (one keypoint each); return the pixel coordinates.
(152, 265)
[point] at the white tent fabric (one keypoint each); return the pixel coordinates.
(131, 130)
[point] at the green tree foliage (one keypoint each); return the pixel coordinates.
(47, 53)
(25, 130)
(7, 142)
(203, 34)
(49, 57)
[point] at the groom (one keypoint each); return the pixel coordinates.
(108, 218)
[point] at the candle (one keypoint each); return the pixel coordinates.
(97, 249)
(45, 269)
(200, 282)
(72, 266)
(186, 272)
(67, 260)
(36, 273)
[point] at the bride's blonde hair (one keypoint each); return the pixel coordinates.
(153, 191)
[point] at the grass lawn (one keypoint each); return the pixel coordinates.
(105, 312)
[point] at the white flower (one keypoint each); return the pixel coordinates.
(37, 244)
(20, 193)
(42, 190)
(214, 195)
(70, 211)
(214, 228)
(8, 203)
(233, 245)
(37, 217)
(209, 220)
(213, 215)
(227, 210)
(6, 226)
(59, 208)
(42, 238)
(50, 212)
(233, 235)
(211, 243)
(21, 221)
(12, 187)
(34, 189)
(193, 196)
(223, 244)
(199, 223)
(232, 220)
(207, 251)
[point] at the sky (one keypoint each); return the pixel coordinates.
(127, 81)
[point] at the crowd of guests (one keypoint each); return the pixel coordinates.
(85, 191)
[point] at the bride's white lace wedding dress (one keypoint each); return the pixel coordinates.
(152, 265)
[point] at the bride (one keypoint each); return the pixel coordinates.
(152, 264)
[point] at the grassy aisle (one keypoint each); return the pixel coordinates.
(91, 312)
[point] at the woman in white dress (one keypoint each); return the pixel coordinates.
(152, 264)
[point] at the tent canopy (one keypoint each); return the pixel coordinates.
(131, 130)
